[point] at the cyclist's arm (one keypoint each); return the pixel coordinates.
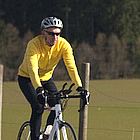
(32, 63)
(71, 66)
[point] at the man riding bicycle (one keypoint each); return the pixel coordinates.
(35, 73)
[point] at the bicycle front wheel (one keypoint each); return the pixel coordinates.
(66, 132)
(24, 132)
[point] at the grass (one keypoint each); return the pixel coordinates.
(113, 112)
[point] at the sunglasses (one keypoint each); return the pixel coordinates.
(52, 33)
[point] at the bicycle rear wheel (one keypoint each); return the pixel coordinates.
(70, 133)
(24, 132)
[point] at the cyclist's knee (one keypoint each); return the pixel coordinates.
(39, 109)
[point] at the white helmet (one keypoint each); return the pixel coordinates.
(51, 22)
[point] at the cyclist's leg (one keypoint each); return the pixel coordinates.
(37, 109)
(51, 87)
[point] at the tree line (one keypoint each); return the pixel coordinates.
(105, 33)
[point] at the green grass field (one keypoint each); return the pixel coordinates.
(113, 113)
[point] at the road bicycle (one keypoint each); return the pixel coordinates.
(61, 130)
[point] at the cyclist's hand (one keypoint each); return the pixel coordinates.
(85, 94)
(40, 95)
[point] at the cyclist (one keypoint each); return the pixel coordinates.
(35, 73)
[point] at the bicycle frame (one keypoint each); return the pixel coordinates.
(57, 121)
(60, 129)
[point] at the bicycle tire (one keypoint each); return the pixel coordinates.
(24, 132)
(71, 135)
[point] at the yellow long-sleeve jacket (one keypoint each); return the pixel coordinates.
(40, 60)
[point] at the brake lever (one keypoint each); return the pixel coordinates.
(85, 99)
(82, 108)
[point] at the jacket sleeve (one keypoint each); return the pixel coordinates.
(70, 64)
(32, 63)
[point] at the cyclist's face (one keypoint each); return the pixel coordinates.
(51, 35)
